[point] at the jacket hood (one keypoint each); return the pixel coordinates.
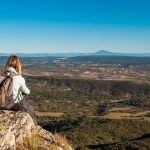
(11, 70)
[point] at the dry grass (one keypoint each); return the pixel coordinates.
(31, 143)
(89, 75)
(120, 108)
(116, 100)
(147, 119)
(48, 114)
(62, 141)
(115, 113)
(35, 142)
(125, 115)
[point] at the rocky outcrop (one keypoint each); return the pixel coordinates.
(16, 126)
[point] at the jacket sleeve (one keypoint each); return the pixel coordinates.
(23, 87)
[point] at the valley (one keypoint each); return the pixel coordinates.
(96, 103)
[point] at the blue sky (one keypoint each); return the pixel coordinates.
(74, 25)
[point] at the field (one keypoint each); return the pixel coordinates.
(97, 103)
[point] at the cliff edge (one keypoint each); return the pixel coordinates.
(18, 127)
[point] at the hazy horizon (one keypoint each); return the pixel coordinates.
(73, 52)
(74, 26)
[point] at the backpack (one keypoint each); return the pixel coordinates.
(6, 92)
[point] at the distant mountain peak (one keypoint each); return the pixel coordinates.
(103, 52)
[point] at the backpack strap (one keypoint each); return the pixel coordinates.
(4, 81)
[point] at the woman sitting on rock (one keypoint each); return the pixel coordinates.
(19, 88)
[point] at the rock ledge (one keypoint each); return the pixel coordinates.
(16, 126)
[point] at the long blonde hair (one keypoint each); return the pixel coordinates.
(13, 61)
